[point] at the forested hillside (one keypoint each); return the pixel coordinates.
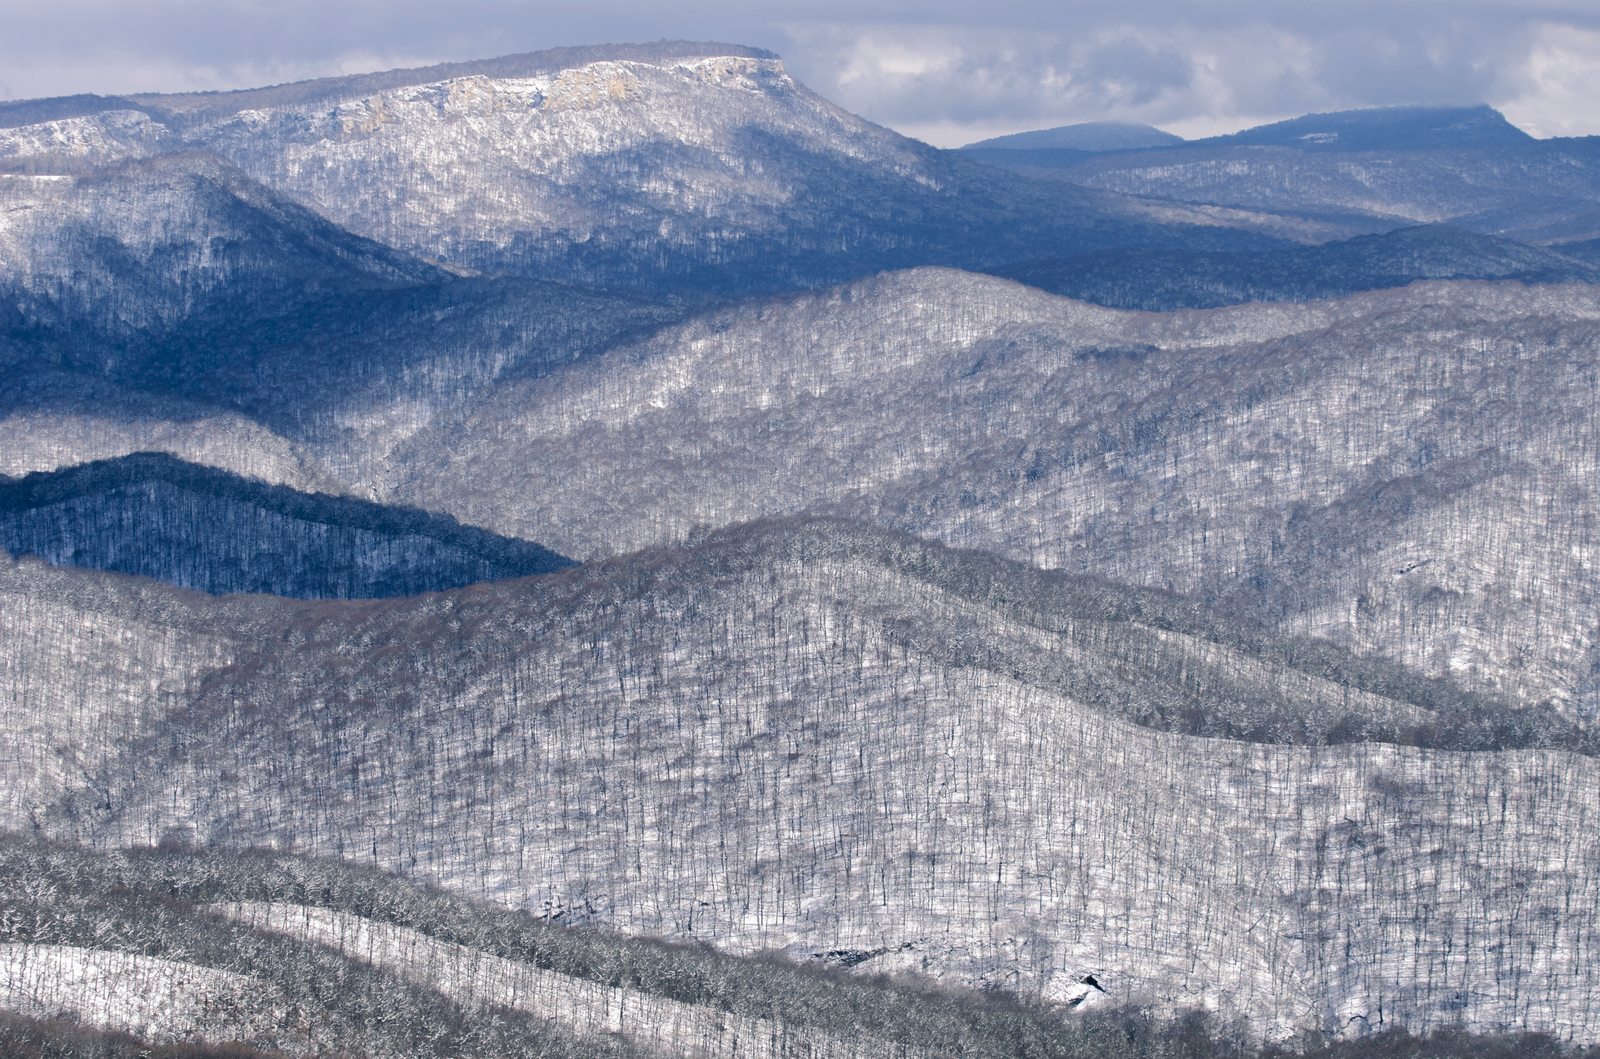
(824, 738)
(1191, 650)
(1163, 280)
(1407, 473)
(372, 965)
(200, 528)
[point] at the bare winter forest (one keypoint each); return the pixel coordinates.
(603, 552)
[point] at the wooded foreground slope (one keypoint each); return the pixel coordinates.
(182, 954)
(818, 737)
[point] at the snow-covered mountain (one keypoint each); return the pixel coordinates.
(679, 167)
(1264, 684)
(138, 249)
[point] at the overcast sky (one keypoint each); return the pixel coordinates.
(948, 72)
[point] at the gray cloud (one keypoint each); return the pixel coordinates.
(949, 72)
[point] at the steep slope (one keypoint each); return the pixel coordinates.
(1408, 472)
(180, 289)
(829, 739)
(116, 944)
(1163, 280)
(331, 386)
(153, 515)
(136, 249)
(671, 167)
(595, 993)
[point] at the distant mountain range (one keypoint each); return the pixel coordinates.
(1376, 129)
(1465, 166)
(1136, 598)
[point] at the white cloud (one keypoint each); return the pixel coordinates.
(1558, 86)
(953, 84)
(876, 56)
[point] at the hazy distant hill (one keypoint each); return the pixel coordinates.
(1546, 189)
(1086, 136)
(1467, 167)
(1381, 129)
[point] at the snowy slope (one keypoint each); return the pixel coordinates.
(823, 739)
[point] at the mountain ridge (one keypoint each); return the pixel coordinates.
(1403, 127)
(735, 173)
(167, 106)
(1160, 281)
(977, 669)
(196, 527)
(1092, 136)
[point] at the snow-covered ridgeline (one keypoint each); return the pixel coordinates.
(99, 139)
(155, 999)
(47, 440)
(479, 979)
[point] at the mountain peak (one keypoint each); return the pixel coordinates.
(1085, 136)
(1381, 128)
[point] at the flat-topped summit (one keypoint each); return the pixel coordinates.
(1095, 136)
(1381, 128)
(192, 105)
